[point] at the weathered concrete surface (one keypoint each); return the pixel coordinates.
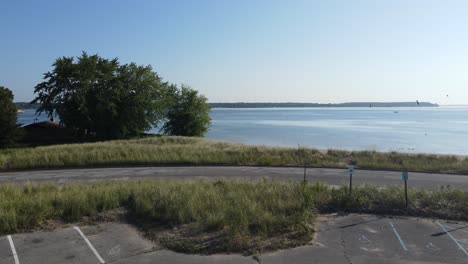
(330, 176)
(340, 239)
(306, 254)
(117, 241)
(59, 246)
(114, 242)
(372, 239)
(167, 257)
(6, 255)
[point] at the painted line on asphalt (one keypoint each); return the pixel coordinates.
(454, 240)
(456, 228)
(13, 249)
(101, 260)
(398, 236)
(462, 241)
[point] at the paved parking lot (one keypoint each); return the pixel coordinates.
(104, 243)
(339, 239)
(374, 239)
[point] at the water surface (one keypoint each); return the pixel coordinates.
(442, 130)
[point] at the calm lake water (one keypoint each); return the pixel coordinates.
(441, 130)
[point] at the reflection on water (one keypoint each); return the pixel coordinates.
(429, 130)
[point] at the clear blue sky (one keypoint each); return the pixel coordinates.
(236, 50)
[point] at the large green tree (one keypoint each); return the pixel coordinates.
(187, 113)
(100, 98)
(9, 129)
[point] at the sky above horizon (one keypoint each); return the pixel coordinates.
(253, 51)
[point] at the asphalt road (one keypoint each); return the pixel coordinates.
(329, 176)
(338, 239)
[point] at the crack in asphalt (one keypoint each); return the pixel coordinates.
(138, 254)
(343, 245)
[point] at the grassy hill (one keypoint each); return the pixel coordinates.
(197, 151)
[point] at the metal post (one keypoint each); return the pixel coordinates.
(350, 182)
(302, 153)
(305, 170)
(405, 179)
(406, 194)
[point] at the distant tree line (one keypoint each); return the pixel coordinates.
(26, 105)
(357, 104)
(102, 99)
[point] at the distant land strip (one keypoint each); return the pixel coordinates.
(25, 105)
(355, 104)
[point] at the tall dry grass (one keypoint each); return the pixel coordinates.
(196, 151)
(240, 208)
(238, 211)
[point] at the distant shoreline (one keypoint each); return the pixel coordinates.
(25, 105)
(351, 104)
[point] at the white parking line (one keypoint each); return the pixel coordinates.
(13, 249)
(454, 240)
(461, 241)
(399, 238)
(456, 228)
(101, 260)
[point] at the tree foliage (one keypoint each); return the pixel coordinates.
(187, 114)
(9, 129)
(100, 98)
